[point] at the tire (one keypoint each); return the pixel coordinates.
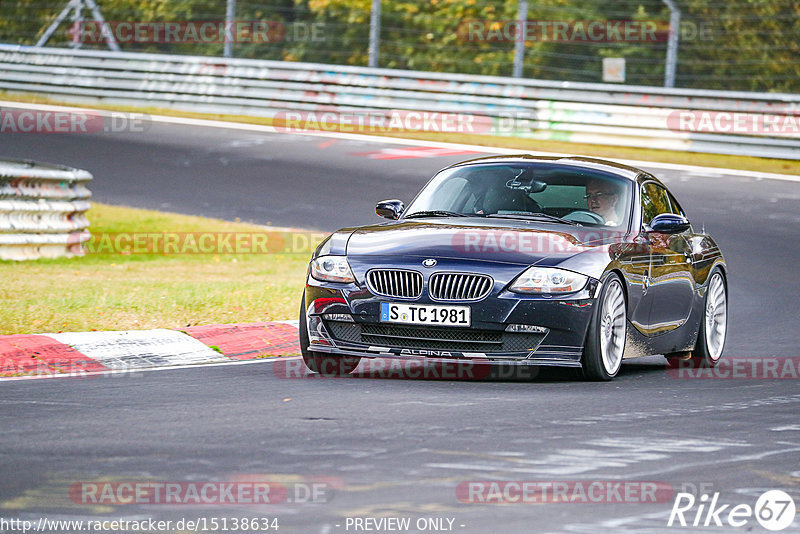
(605, 339)
(319, 363)
(714, 325)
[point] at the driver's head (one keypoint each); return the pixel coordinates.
(601, 198)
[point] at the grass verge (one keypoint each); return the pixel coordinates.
(124, 289)
(780, 166)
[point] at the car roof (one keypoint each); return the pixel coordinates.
(618, 169)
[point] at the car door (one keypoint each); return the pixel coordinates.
(669, 285)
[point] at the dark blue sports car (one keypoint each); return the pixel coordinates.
(520, 260)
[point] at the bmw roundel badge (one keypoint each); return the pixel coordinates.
(430, 262)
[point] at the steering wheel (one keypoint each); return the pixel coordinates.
(585, 216)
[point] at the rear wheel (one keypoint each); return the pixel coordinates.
(605, 340)
(320, 363)
(713, 328)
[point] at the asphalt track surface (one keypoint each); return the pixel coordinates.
(396, 447)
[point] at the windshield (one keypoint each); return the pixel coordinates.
(545, 191)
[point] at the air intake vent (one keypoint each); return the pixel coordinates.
(434, 338)
(459, 286)
(395, 283)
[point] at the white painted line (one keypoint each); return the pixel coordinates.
(785, 428)
(135, 372)
(410, 142)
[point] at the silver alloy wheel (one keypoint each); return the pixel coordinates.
(716, 317)
(612, 328)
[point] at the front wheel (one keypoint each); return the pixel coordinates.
(713, 328)
(605, 339)
(319, 363)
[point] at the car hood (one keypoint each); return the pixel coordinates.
(504, 241)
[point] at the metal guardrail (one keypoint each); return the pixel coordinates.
(575, 112)
(42, 210)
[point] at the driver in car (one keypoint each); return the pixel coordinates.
(601, 198)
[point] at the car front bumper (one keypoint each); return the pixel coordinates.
(344, 320)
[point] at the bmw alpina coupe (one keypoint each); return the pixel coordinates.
(520, 260)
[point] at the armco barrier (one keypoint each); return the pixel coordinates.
(42, 210)
(578, 112)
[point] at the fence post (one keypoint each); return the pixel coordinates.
(230, 15)
(374, 32)
(672, 44)
(519, 46)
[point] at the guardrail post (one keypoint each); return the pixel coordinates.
(519, 45)
(374, 32)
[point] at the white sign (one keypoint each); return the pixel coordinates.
(614, 69)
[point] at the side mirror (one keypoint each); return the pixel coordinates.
(668, 223)
(390, 209)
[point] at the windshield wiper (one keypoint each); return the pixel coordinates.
(434, 213)
(533, 216)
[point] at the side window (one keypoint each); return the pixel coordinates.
(655, 200)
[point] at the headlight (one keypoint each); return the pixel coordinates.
(331, 269)
(540, 280)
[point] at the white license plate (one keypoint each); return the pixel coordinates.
(425, 314)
